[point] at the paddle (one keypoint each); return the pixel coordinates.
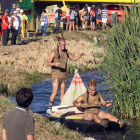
(85, 105)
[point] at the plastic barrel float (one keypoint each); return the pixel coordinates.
(72, 116)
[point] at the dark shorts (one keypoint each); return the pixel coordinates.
(72, 20)
(92, 19)
(86, 17)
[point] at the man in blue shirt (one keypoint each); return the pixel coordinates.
(104, 17)
(98, 17)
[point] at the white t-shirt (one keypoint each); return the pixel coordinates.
(16, 23)
(88, 10)
(72, 15)
(67, 12)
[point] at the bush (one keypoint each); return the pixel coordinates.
(121, 65)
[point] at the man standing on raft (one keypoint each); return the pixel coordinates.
(58, 61)
(92, 111)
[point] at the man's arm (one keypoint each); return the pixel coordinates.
(76, 57)
(3, 134)
(30, 137)
(5, 23)
(102, 100)
(28, 23)
(77, 101)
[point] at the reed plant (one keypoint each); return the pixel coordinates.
(121, 65)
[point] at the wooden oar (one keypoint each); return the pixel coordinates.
(87, 104)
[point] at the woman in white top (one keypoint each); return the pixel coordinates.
(44, 22)
(14, 24)
(67, 17)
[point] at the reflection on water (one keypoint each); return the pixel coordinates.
(42, 92)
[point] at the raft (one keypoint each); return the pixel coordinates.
(75, 123)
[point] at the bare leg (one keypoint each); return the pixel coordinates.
(92, 116)
(70, 27)
(77, 26)
(83, 22)
(55, 85)
(104, 115)
(73, 25)
(91, 25)
(103, 26)
(67, 25)
(62, 90)
(86, 23)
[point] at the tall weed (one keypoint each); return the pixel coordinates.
(121, 66)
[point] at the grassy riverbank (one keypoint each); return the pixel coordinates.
(44, 129)
(24, 65)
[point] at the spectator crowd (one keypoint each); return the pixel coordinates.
(89, 16)
(76, 19)
(11, 23)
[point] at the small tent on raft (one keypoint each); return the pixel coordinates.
(76, 89)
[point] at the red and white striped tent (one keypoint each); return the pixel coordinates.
(76, 89)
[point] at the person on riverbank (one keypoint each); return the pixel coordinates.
(14, 23)
(5, 28)
(67, 12)
(58, 15)
(85, 17)
(93, 101)
(72, 18)
(98, 17)
(44, 22)
(18, 123)
(92, 18)
(104, 17)
(58, 61)
(20, 18)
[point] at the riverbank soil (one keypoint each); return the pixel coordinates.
(26, 64)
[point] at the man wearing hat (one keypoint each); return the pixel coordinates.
(5, 27)
(14, 23)
(23, 18)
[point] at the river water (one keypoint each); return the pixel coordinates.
(43, 90)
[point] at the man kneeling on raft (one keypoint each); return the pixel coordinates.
(92, 111)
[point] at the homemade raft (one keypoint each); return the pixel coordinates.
(72, 117)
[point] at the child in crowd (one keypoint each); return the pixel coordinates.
(104, 17)
(92, 18)
(98, 17)
(18, 123)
